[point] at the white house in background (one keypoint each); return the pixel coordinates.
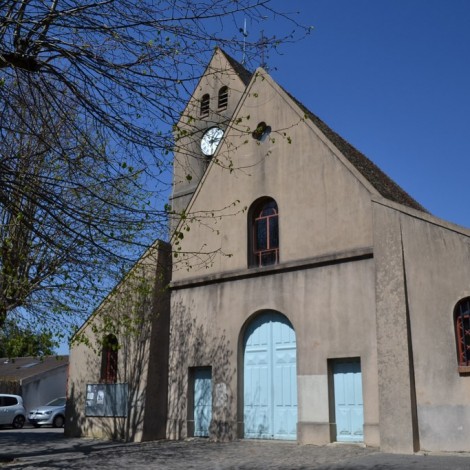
(37, 380)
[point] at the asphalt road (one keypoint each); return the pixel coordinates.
(47, 448)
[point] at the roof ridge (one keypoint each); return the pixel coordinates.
(244, 74)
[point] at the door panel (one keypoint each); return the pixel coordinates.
(202, 401)
(349, 406)
(258, 377)
(270, 382)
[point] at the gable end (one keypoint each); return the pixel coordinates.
(374, 175)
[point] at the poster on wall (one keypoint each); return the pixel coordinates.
(106, 400)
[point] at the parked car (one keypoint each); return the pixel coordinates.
(53, 413)
(12, 411)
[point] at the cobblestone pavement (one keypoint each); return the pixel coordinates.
(49, 449)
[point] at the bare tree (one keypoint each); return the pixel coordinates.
(89, 91)
(124, 65)
(67, 215)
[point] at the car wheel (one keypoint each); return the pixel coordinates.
(18, 422)
(58, 421)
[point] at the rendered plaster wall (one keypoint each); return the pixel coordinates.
(323, 206)
(437, 261)
(85, 367)
(423, 270)
(323, 283)
(332, 309)
(398, 430)
(190, 164)
(139, 312)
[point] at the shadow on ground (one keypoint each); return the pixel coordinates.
(25, 444)
(49, 449)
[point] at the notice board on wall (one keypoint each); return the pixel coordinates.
(106, 400)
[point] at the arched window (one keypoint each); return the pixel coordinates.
(223, 98)
(264, 233)
(109, 359)
(462, 331)
(205, 104)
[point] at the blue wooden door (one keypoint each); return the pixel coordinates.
(270, 378)
(202, 401)
(349, 406)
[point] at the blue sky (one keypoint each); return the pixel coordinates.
(393, 78)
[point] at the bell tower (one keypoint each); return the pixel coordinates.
(202, 126)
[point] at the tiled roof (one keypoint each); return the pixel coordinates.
(376, 177)
(241, 71)
(25, 367)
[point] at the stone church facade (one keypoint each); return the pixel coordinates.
(311, 298)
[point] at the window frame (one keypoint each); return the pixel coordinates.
(222, 102)
(257, 256)
(462, 334)
(109, 360)
(205, 105)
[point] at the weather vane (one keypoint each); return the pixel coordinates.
(261, 45)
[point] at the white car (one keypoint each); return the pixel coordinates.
(53, 413)
(12, 412)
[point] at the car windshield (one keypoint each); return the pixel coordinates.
(57, 402)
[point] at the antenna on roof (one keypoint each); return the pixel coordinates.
(245, 34)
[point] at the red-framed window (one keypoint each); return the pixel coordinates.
(205, 101)
(462, 331)
(223, 98)
(264, 233)
(109, 359)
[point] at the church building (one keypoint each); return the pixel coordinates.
(311, 298)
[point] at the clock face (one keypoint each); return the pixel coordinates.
(210, 140)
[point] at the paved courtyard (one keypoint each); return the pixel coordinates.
(49, 449)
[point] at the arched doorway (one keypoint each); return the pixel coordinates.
(270, 378)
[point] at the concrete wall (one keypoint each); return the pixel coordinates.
(423, 270)
(437, 257)
(324, 282)
(398, 428)
(323, 207)
(332, 309)
(137, 312)
(189, 163)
